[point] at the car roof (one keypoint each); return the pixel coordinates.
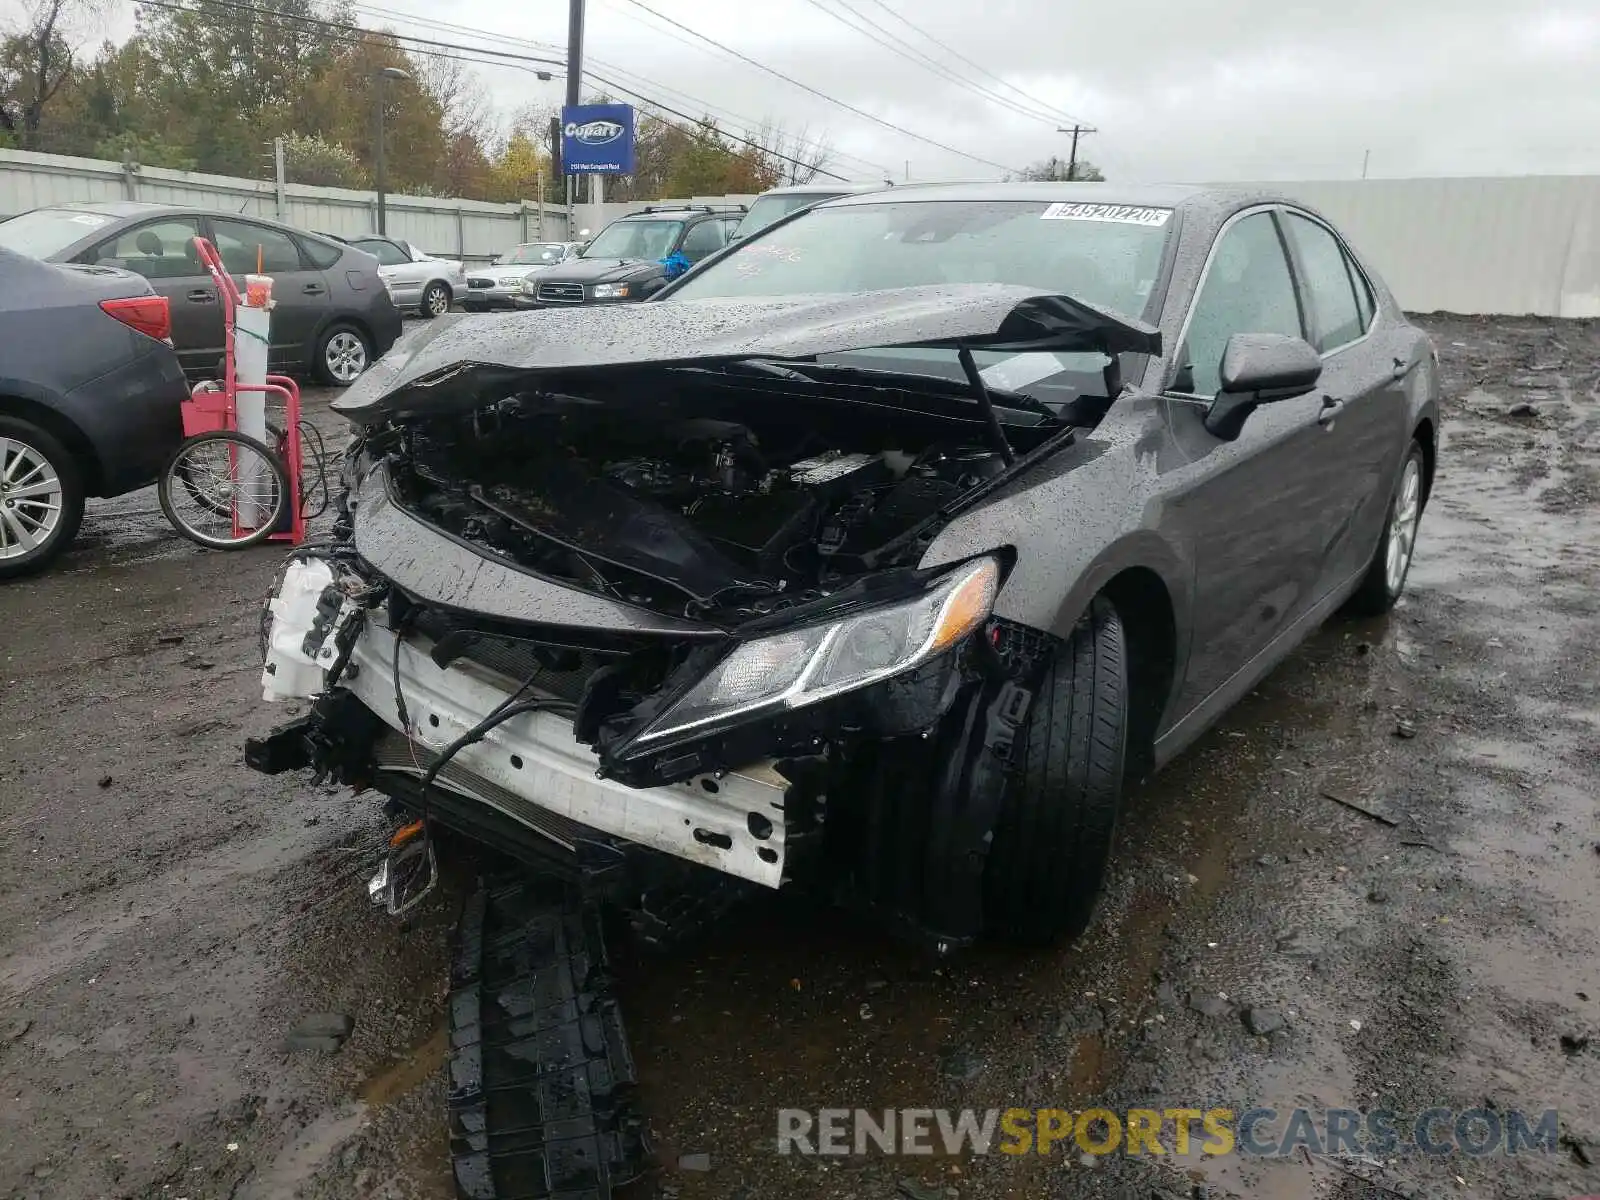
(1144, 195)
(831, 189)
(127, 210)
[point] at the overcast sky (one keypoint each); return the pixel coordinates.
(1225, 90)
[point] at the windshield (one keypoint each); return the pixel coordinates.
(47, 231)
(534, 254)
(767, 209)
(635, 239)
(1107, 255)
(1072, 249)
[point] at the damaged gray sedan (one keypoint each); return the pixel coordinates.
(872, 557)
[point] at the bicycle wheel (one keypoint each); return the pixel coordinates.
(210, 476)
(212, 502)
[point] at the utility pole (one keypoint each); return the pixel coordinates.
(279, 179)
(1072, 162)
(574, 76)
(1366, 157)
(379, 83)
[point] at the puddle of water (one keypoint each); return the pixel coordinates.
(418, 1065)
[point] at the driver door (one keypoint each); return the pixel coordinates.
(1256, 510)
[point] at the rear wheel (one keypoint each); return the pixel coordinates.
(41, 497)
(1053, 839)
(1391, 562)
(342, 354)
(435, 300)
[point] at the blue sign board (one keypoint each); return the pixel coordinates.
(597, 139)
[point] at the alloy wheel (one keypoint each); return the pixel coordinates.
(1403, 528)
(346, 356)
(31, 498)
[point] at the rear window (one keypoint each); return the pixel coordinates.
(322, 254)
(48, 231)
(764, 210)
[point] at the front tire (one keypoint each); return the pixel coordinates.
(1385, 580)
(1053, 839)
(435, 300)
(343, 353)
(41, 497)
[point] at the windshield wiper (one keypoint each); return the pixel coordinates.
(809, 372)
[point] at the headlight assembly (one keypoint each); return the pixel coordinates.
(610, 291)
(803, 666)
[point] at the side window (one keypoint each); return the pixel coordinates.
(1364, 298)
(1333, 299)
(321, 254)
(729, 224)
(386, 252)
(157, 250)
(242, 244)
(1248, 289)
(705, 238)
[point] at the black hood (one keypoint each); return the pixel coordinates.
(456, 359)
(602, 270)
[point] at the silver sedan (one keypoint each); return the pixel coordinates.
(495, 285)
(416, 281)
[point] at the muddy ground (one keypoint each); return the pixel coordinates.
(166, 917)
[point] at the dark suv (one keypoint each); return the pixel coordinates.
(636, 256)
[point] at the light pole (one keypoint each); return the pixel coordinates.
(380, 78)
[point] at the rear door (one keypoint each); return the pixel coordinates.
(163, 252)
(299, 290)
(1363, 389)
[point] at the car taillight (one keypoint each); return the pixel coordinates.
(150, 315)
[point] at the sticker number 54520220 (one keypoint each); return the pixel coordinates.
(1125, 214)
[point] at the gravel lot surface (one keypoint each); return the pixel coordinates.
(167, 917)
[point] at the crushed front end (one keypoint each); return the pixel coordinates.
(629, 624)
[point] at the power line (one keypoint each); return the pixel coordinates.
(898, 45)
(860, 112)
(744, 122)
(1059, 113)
(502, 58)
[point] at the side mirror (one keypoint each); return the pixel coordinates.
(1260, 368)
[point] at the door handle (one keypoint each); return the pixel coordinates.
(313, 289)
(1331, 408)
(1402, 368)
(202, 296)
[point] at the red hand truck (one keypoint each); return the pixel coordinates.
(223, 489)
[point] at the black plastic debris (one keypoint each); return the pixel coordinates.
(541, 1078)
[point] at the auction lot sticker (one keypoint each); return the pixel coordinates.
(1122, 214)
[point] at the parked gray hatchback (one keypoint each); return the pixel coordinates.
(333, 316)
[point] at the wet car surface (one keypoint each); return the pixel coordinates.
(170, 917)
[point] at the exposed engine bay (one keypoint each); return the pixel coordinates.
(677, 507)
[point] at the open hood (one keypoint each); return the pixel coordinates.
(455, 360)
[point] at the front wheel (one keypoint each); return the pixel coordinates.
(41, 497)
(1386, 575)
(224, 491)
(435, 300)
(1053, 840)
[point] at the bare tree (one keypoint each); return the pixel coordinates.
(36, 59)
(795, 158)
